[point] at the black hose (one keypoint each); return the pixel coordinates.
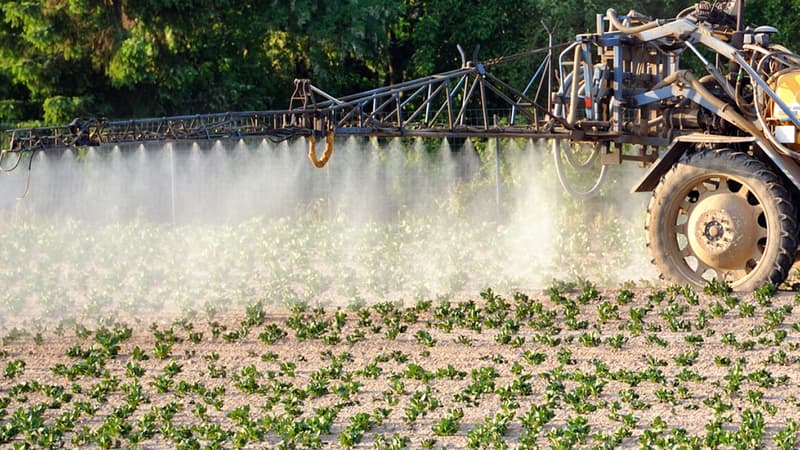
(12, 168)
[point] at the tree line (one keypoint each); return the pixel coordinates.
(61, 59)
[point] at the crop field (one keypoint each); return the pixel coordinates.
(569, 367)
(118, 337)
(432, 326)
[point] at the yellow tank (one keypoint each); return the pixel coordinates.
(787, 86)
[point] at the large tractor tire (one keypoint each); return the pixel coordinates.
(722, 214)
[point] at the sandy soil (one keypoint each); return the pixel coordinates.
(681, 364)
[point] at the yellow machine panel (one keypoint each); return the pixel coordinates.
(787, 86)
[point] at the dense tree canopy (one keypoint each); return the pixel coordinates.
(134, 58)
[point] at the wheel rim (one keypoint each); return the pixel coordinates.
(720, 229)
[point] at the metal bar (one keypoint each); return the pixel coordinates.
(413, 95)
(448, 101)
(428, 101)
(527, 87)
(533, 103)
(739, 15)
(379, 109)
(399, 111)
(483, 104)
(411, 83)
(358, 107)
(464, 132)
(426, 104)
(509, 100)
(465, 102)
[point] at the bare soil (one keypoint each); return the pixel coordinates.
(690, 368)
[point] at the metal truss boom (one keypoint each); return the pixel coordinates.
(466, 102)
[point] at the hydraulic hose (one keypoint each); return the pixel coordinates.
(611, 14)
(720, 107)
(13, 166)
(572, 117)
(562, 178)
(326, 156)
(581, 166)
(724, 109)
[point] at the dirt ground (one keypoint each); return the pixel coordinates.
(555, 369)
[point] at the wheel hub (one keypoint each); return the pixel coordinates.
(720, 231)
(714, 231)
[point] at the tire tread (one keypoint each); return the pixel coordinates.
(777, 190)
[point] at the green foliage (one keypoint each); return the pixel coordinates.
(106, 398)
(61, 109)
(14, 368)
(153, 57)
(718, 287)
(271, 334)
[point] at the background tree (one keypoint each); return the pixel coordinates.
(134, 58)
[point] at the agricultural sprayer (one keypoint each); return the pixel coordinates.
(721, 145)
